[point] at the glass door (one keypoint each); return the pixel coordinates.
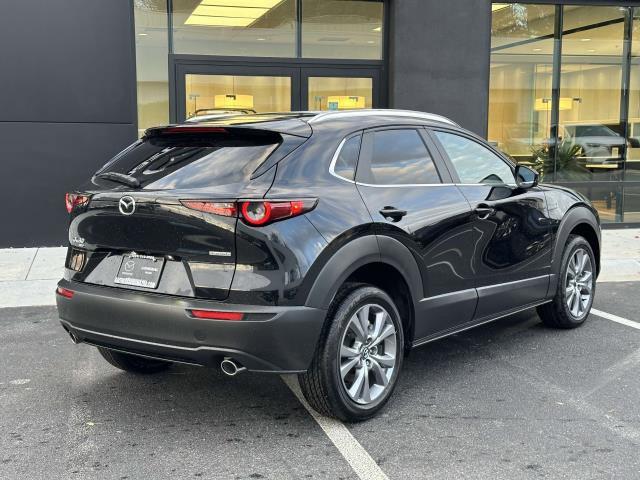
(211, 89)
(221, 90)
(339, 88)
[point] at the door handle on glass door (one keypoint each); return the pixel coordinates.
(393, 213)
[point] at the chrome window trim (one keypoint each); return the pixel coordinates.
(332, 165)
(334, 159)
(406, 185)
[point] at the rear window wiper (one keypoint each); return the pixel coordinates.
(127, 180)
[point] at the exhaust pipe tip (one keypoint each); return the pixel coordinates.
(72, 335)
(230, 367)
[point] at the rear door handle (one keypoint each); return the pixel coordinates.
(484, 211)
(393, 213)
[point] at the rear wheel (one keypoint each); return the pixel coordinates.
(576, 287)
(356, 366)
(133, 363)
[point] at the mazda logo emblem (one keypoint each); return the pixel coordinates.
(127, 205)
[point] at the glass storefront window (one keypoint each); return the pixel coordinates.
(340, 93)
(224, 94)
(591, 143)
(520, 82)
(598, 137)
(606, 199)
(252, 28)
(342, 29)
(632, 204)
(151, 63)
(632, 165)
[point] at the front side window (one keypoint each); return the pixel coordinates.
(473, 162)
(396, 157)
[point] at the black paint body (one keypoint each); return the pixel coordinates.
(457, 268)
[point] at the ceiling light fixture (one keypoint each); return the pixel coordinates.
(242, 3)
(229, 13)
(585, 39)
(377, 29)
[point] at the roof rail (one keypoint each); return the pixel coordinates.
(333, 114)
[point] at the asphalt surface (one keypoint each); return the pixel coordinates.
(510, 400)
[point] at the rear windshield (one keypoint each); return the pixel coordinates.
(191, 161)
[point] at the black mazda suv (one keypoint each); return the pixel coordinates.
(323, 244)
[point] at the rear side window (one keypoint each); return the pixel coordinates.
(396, 157)
(473, 162)
(347, 159)
(176, 161)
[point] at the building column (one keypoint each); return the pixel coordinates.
(439, 55)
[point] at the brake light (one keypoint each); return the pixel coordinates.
(264, 212)
(189, 129)
(226, 209)
(73, 200)
(213, 315)
(64, 292)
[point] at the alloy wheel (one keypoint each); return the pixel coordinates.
(579, 283)
(367, 355)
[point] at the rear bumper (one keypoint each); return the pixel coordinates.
(270, 339)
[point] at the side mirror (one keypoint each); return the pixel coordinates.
(526, 177)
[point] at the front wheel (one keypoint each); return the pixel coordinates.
(576, 287)
(356, 366)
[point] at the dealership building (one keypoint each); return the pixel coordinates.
(556, 85)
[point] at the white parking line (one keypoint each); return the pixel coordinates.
(361, 462)
(615, 318)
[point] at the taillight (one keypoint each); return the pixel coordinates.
(257, 213)
(73, 200)
(254, 212)
(226, 209)
(215, 315)
(64, 292)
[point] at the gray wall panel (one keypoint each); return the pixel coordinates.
(439, 58)
(43, 161)
(67, 61)
(67, 104)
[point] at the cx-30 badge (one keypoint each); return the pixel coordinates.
(127, 205)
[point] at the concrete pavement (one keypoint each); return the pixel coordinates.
(509, 400)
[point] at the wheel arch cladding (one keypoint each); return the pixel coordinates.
(577, 221)
(382, 262)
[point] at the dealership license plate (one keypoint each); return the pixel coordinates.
(140, 271)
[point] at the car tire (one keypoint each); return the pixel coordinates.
(133, 363)
(576, 289)
(353, 373)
